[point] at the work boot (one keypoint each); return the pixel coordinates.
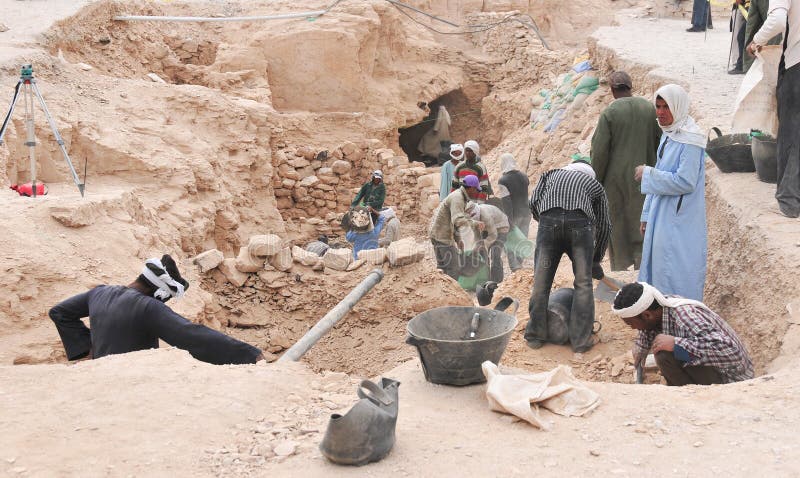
(534, 344)
(695, 29)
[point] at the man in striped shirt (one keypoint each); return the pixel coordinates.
(572, 210)
(692, 344)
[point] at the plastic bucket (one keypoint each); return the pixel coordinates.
(731, 153)
(765, 157)
(447, 356)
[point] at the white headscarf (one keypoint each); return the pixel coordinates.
(457, 147)
(649, 294)
(473, 145)
(683, 128)
(507, 162)
(581, 167)
(166, 287)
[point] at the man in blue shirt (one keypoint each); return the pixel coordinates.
(366, 240)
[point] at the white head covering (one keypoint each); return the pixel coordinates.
(507, 162)
(649, 294)
(457, 147)
(473, 145)
(581, 167)
(377, 174)
(388, 213)
(473, 210)
(166, 287)
(683, 128)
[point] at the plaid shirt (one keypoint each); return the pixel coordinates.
(709, 340)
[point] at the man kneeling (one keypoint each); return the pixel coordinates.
(127, 319)
(692, 344)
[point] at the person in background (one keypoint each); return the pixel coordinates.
(673, 220)
(447, 219)
(496, 233)
(738, 28)
(701, 16)
(692, 345)
(365, 240)
(627, 135)
(472, 165)
(391, 229)
(371, 195)
(756, 15)
(128, 318)
(448, 170)
(784, 15)
(513, 191)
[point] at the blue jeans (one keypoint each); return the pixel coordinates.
(570, 232)
(701, 14)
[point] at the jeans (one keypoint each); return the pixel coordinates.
(496, 257)
(677, 375)
(570, 232)
(701, 14)
(448, 259)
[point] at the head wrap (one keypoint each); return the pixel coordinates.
(580, 167)
(683, 128)
(163, 275)
(473, 146)
(507, 162)
(457, 147)
(377, 174)
(471, 181)
(388, 213)
(649, 294)
(473, 210)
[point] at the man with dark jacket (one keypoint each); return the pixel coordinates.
(127, 319)
(513, 191)
(572, 211)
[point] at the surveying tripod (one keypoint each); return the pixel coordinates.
(27, 83)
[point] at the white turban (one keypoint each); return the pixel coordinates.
(683, 128)
(166, 287)
(580, 167)
(649, 294)
(507, 162)
(456, 147)
(473, 146)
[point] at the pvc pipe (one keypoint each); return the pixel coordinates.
(336, 314)
(155, 18)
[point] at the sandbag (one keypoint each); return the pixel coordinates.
(518, 244)
(757, 102)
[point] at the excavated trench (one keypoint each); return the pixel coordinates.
(273, 311)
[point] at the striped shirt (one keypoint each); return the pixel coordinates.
(708, 339)
(477, 168)
(573, 190)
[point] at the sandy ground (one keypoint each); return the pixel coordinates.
(158, 413)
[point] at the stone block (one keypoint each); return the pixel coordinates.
(309, 181)
(341, 167)
(429, 181)
(404, 252)
(234, 275)
(208, 260)
(304, 257)
(349, 149)
(384, 155)
(298, 163)
(338, 259)
(397, 161)
(373, 257)
(355, 265)
(282, 261)
(264, 245)
(246, 262)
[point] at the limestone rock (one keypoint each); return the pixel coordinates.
(429, 181)
(282, 260)
(341, 167)
(304, 257)
(404, 252)
(208, 260)
(264, 245)
(273, 279)
(309, 181)
(234, 275)
(338, 259)
(246, 262)
(355, 265)
(373, 257)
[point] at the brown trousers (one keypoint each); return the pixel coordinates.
(677, 375)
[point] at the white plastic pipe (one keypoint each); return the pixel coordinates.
(155, 18)
(336, 314)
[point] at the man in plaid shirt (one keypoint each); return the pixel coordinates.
(691, 344)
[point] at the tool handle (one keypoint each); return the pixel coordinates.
(473, 326)
(610, 284)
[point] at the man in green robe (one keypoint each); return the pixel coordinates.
(627, 135)
(756, 16)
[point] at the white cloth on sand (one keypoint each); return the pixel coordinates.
(522, 394)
